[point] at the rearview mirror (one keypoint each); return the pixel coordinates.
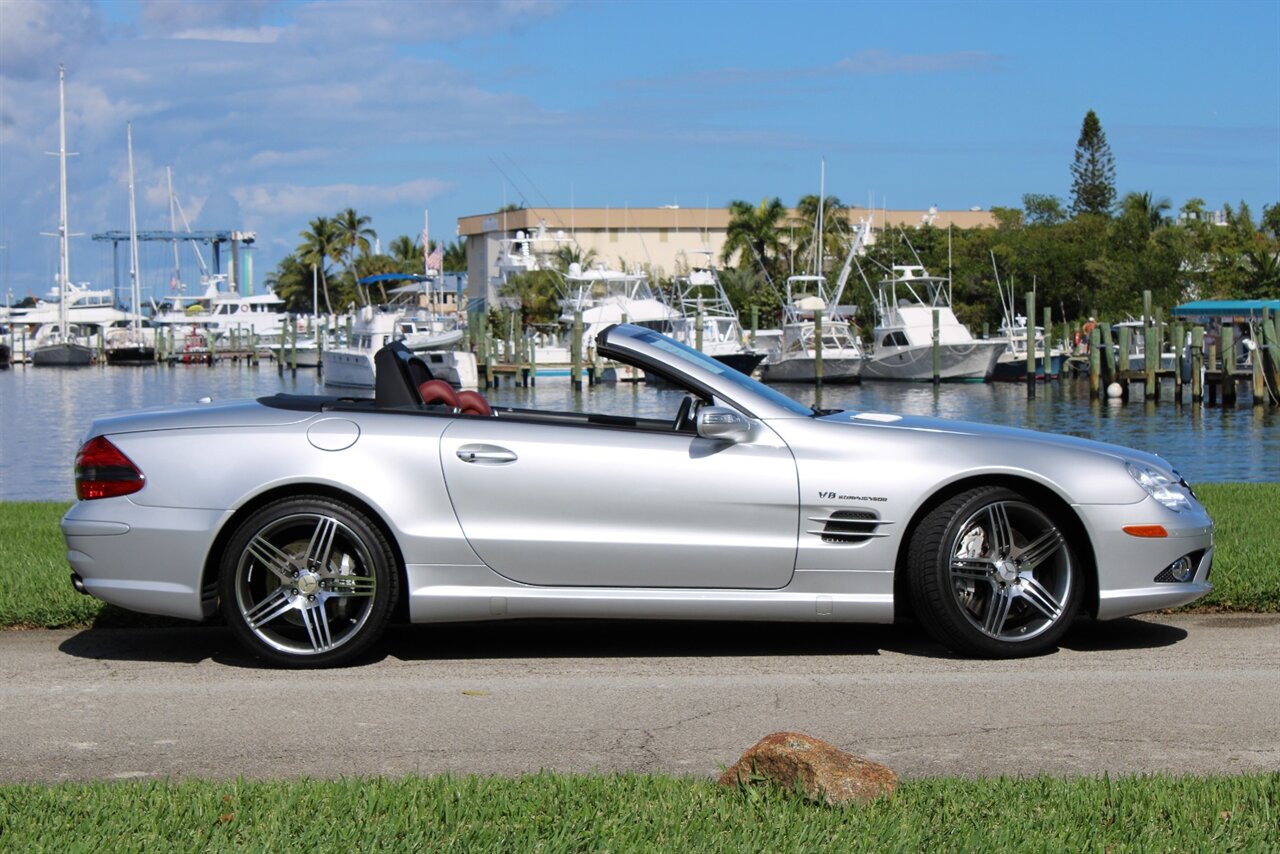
(720, 422)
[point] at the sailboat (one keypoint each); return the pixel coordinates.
(133, 345)
(61, 348)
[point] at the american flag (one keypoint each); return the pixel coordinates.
(435, 260)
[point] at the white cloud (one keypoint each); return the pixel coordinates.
(373, 21)
(294, 200)
(36, 34)
(241, 35)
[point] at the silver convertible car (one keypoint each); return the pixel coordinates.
(311, 521)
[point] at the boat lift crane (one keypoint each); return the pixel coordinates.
(215, 239)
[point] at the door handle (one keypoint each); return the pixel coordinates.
(486, 455)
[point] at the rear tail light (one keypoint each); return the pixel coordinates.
(102, 471)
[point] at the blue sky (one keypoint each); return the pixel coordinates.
(272, 113)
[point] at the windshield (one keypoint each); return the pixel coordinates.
(685, 353)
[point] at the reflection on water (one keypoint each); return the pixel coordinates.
(44, 413)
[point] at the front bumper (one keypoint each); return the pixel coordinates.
(1128, 565)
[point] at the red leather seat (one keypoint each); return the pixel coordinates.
(473, 403)
(438, 392)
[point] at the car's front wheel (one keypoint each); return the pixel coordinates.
(992, 574)
(308, 582)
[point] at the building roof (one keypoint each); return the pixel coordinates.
(677, 218)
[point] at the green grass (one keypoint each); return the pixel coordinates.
(36, 591)
(555, 812)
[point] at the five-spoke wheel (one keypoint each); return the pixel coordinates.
(992, 574)
(308, 582)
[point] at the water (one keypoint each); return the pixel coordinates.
(44, 413)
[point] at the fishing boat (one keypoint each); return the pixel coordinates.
(793, 350)
(708, 321)
(905, 303)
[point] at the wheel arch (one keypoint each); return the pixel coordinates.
(210, 572)
(1042, 495)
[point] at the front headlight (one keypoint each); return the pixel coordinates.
(1162, 486)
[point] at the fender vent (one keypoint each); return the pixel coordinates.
(848, 526)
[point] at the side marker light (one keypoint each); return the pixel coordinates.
(1145, 530)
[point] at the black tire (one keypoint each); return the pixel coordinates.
(308, 582)
(993, 575)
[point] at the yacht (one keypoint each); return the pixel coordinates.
(903, 344)
(218, 313)
(429, 334)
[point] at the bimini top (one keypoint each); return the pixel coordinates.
(1226, 308)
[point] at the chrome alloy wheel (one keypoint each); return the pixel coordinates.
(1010, 571)
(304, 584)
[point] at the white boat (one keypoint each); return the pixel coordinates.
(708, 321)
(905, 303)
(375, 326)
(1012, 363)
(61, 348)
(1138, 346)
(220, 313)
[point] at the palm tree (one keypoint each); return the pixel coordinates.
(408, 253)
(755, 232)
(835, 229)
(455, 256)
(354, 233)
(1147, 209)
(575, 254)
(320, 245)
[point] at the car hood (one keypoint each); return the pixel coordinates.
(1023, 438)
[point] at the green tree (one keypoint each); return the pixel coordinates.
(291, 281)
(320, 245)
(1093, 172)
(455, 256)
(754, 234)
(1042, 210)
(408, 254)
(354, 233)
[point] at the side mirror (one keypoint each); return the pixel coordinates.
(720, 422)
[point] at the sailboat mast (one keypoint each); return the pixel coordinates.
(173, 228)
(135, 290)
(64, 263)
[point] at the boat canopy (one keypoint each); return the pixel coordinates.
(1226, 308)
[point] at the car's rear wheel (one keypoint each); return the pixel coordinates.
(308, 582)
(992, 574)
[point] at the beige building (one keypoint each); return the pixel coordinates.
(656, 239)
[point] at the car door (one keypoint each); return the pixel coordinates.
(592, 506)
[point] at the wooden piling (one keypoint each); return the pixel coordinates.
(937, 350)
(1179, 359)
(1227, 356)
(1031, 343)
(1151, 359)
(817, 349)
(1124, 363)
(575, 370)
(1108, 353)
(1197, 364)
(1095, 362)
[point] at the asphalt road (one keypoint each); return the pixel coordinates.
(1198, 694)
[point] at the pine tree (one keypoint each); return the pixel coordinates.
(1093, 174)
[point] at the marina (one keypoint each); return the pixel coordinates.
(44, 413)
